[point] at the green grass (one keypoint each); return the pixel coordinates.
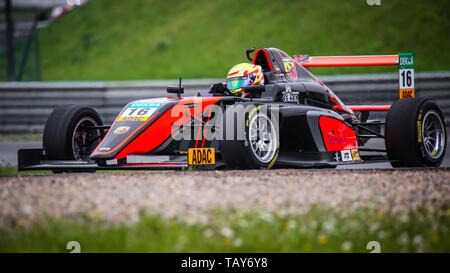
(12, 170)
(8, 170)
(149, 39)
(317, 230)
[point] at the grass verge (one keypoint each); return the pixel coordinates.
(316, 230)
(203, 39)
(13, 170)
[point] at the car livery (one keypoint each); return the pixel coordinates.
(293, 120)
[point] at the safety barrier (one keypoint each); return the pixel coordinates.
(25, 106)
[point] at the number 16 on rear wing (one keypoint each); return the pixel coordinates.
(406, 75)
(405, 62)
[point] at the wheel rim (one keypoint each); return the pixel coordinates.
(433, 134)
(84, 140)
(263, 138)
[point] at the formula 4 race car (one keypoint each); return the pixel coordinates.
(293, 120)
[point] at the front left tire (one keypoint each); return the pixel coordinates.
(260, 145)
(67, 135)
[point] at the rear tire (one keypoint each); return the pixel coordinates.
(260, 147)
(65, 135)
(416, 134)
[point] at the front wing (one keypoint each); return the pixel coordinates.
(35, 159)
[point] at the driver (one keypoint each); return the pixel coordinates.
(243, 75)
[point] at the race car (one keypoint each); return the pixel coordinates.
(293, 120)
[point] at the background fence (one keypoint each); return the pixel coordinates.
(25, 106)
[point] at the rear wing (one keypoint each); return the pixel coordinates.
(405, 62)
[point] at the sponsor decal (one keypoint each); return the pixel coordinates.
(346, 155)
(355, 154)
(121, 130)
(336, 156)
(332, 139)
(406, 75)
(132, 118)
(289, 96)
(104, 149)
(419, 127)
(406, 93)
(201, 156)
(145, 105)
(273, 160)
(301, 58)
(139, 111)
(190, 105)
(289, 67)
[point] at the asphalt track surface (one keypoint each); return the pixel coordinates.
(8, 155)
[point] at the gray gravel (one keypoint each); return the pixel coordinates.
(118, 197)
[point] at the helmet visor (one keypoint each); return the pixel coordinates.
(238, 82)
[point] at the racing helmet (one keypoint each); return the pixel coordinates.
(243, 75)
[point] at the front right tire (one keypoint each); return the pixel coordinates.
(415, 133)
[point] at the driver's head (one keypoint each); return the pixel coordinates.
(243, 75)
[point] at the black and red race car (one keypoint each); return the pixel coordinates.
(293, 120)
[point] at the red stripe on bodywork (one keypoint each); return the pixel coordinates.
(338, 106)
(206, 128)
(329, 61)
(370, 107)
(267, 57)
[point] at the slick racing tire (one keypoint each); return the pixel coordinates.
(415, 133)
(66, 133)
(252, 140)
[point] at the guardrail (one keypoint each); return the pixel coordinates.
(25, 106)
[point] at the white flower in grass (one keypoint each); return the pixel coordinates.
(346, 246)
(329, 225)
(374, 227)
(291, 224)
(382, 234)
(403, 239)
(243, 223)
(26, 209)
(313, 224)
(404, 218)
(237, 242)
(226, 232)
(418, 240)
(353, 224)
(266, 216)
(208, 233)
